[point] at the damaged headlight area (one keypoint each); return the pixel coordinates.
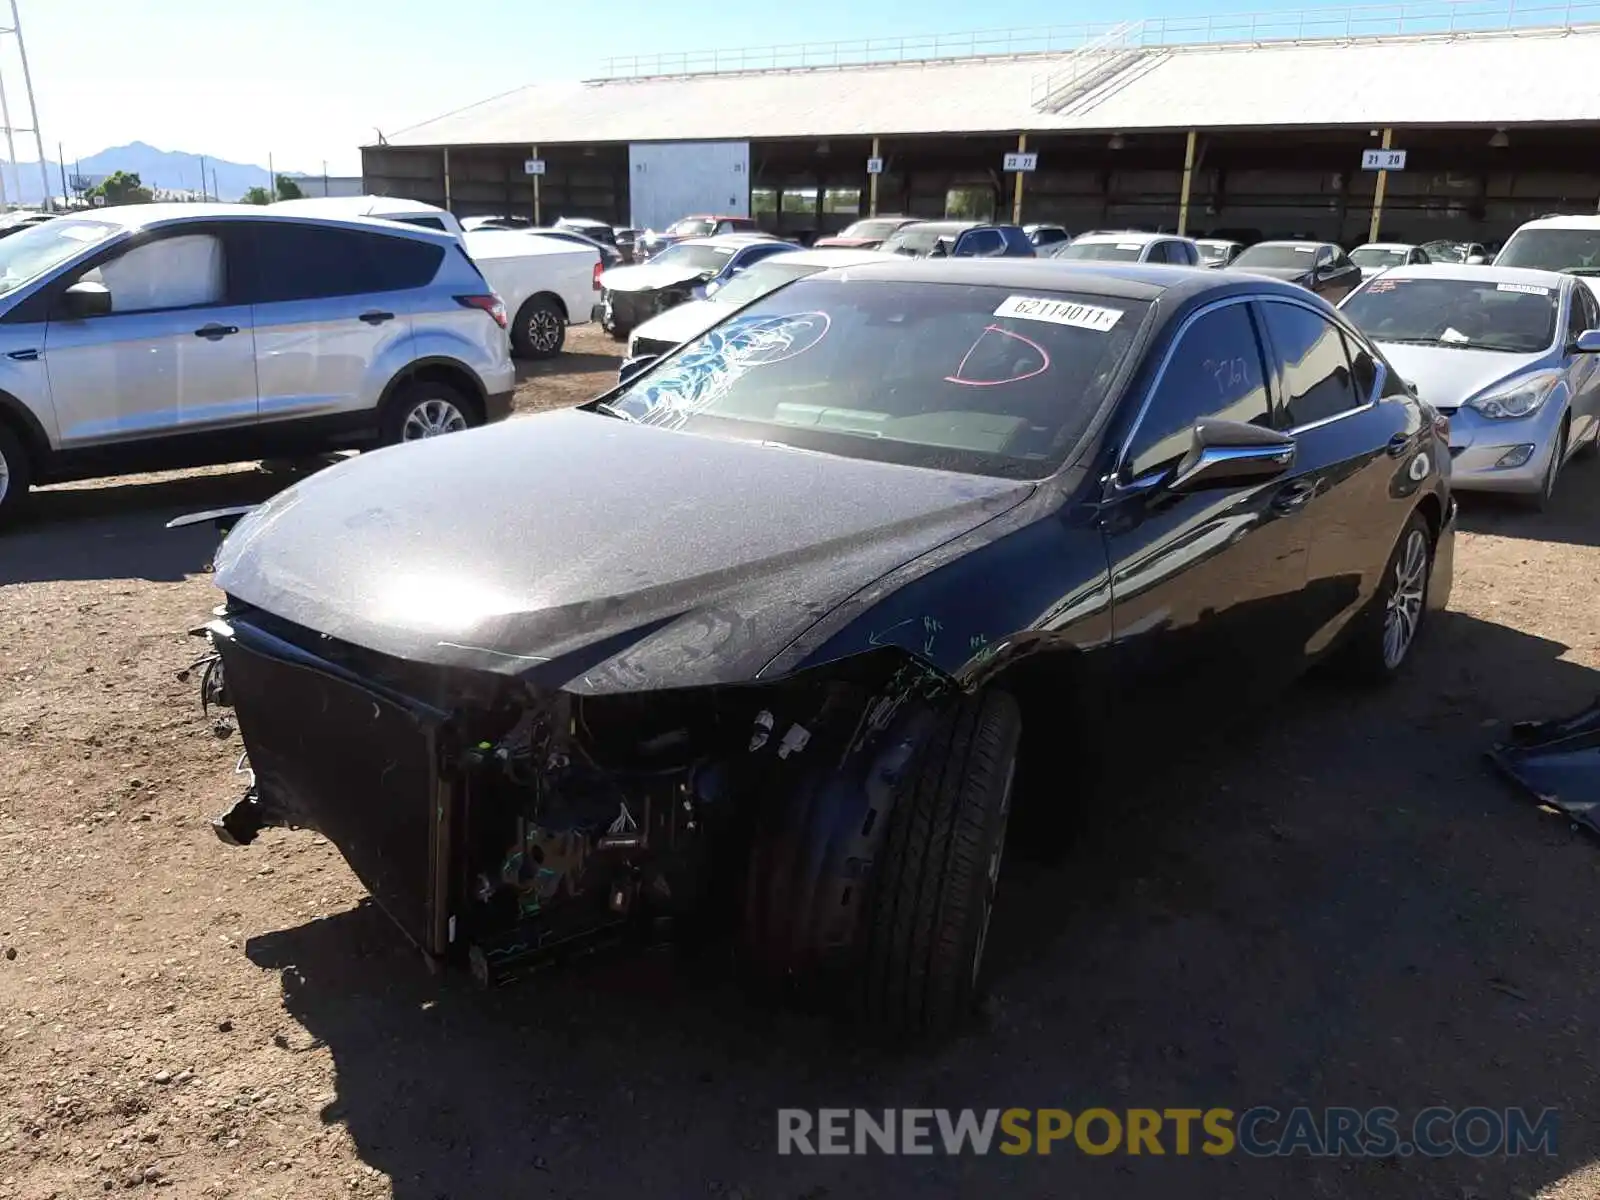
(506, 826)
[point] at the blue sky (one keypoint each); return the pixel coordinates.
(309, 80)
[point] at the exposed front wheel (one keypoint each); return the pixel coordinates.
(936, 883)
(16, 474)
(1539, 501)
(540, 330)
(424, 409)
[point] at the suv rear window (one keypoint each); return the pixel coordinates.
(309, 262)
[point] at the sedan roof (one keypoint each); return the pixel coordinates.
(1130, 236)
(1400, 247)
(1296, 242)
(1527, 276)
(1127, 281)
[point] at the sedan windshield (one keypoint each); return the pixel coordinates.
(1377, 256)
(953, 377)
(692, 227)
(1102, 251)
(871, 230)
(695, 258)
(1442, 252)
(42, 248)
(1518, 318)
(1278, 257)
(1576, 251)
(755, 282)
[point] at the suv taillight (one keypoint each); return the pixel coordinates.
(490, 304)
(599, 270)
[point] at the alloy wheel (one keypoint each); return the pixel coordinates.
(5, 476)
(544, 331)
(1403, 610)
(1553, 471)
(431, 418)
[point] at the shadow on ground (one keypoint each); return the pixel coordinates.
(112, 528)
(1343, 908)
(1573, 516)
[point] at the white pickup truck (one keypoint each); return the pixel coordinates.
(545, 284)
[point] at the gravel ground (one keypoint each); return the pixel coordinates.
(1333, 905)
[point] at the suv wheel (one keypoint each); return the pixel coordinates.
(15, 474)
(424, 409)
(540, 330)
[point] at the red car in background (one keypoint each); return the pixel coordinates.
(866, 234)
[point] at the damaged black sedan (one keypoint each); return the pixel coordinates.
(885, 532)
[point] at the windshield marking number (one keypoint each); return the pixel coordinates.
(1060, 312)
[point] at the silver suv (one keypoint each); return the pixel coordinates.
(160, 336)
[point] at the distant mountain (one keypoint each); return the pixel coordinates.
(175, 169)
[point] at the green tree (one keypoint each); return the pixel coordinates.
(256, 195)
(288, 189)
(122, 187)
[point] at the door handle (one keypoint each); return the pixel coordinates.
(1400, 443)
(23, 355)
(215, 332)
(376, 318)
(1292, 497)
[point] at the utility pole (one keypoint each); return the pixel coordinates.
(61, 161)
(324, 177)
(272, 180)
(203, 179)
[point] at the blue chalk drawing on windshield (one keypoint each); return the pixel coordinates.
(703, 372)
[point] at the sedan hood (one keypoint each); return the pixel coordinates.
(1287, 274)
(679, 324)
(586, 552)
(1446, 378)
(651, 277)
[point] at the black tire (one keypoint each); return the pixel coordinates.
(1540, 501)
(935, 885)
(618, 334)
(16, 475)
(539, 330)
(415, 398)
(1367, 656)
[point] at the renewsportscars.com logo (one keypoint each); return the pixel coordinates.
(1259, 1132)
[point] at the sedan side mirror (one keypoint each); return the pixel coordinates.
(632, 368)
(1588, 342)
(1230, 454)
(86, 299)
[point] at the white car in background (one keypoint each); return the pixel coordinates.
(1129, 246)
(546, 284)
(1567, 244)
(677, 325)
(1374, 257)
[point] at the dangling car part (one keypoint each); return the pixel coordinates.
(880, 523)
(1558, 764)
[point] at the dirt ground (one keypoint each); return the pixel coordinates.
(1337, 905)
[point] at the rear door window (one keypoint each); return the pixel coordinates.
(1317, 380)
(1216, 371)
(309, 262)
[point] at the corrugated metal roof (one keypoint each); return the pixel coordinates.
(1503, 79)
